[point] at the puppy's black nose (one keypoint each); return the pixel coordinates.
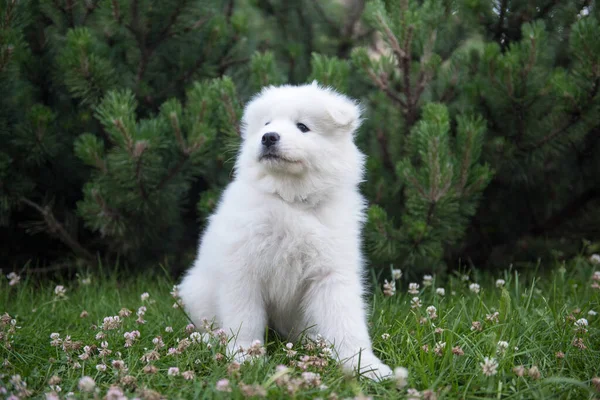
(269, 139)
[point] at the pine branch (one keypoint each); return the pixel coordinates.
(172, 172)
(57, 228)
(383, 145)
(500, 25)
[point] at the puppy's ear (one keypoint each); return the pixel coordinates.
(344, 112)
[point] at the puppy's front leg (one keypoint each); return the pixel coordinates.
(242, 315)
(335, 306)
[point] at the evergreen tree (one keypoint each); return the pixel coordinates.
(119, 121)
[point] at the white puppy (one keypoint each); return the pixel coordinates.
(283, 247)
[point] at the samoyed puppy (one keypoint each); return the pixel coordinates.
(283, 248)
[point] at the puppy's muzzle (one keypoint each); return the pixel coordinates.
(270, 139)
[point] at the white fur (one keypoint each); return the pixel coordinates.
(283, 247)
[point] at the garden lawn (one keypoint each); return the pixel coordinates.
(466, 336)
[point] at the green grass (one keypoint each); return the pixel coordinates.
(536, 318)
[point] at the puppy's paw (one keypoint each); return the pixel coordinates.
(377, 371)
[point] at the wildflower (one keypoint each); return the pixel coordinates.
(476, 326)
(311, 379)
(500, 283)
(596, 383)
(189, 328)
(188, 375)
(489, 366)
(578, 342)
(415, 302)
(413, 288)
(252, 390)
(76, 365)
(596, 276)
(13, 278)
(144, 296)
(115, 393)
(178, 304)
(425, 348)
(86, 281)
(223, 385)
(86, 384)
(169, 329)
(413, 394)
(457, 351)
(427, 280)
(560, 355)
(385, 336)
(129, 380)
(101, 367)
(464, 278)
(534, 373)
(152, 355)
(54, 380)
(150, 369)
(119, 365)
(595, 259)
(592, 313)
(158, 342)
(60, 291)
(519, 370)
(396, 274)
(431, 310)
(423, 320)
(83, 314)
(581, 323)
(233, 367)
(175, 291)
(173, 371)
(474, 287)
(401, 377)
(100, 335)
(256, 349)
(440, 291)
(124, 313)
(439, 348)
(494, 317)
(111, 323)
(56, 340)
(502, 346)
(438, 331)
(288, 349)
(389, 288)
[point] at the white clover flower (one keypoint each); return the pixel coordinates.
(581, 323)
(396, 274)
(389, 288)
(489, 366)
(401, 377)
(432, 311)
(502, 346)
(415, 302)
(500, 283)
(169, 329)
(13, 278)
(144, 296)
(440, 291)
(60, 291)
(474, 287)
(592, 313)
(595, 259)
(101, 367)
(173, 371)
(86, 384)
(223, 385)
(385, 336)
(427, 280)
(413, 288)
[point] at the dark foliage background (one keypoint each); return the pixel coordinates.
(119, 123)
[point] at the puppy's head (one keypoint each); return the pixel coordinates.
(301, 132)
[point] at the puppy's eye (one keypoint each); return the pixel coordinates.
(303, 128)
(267, 123)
